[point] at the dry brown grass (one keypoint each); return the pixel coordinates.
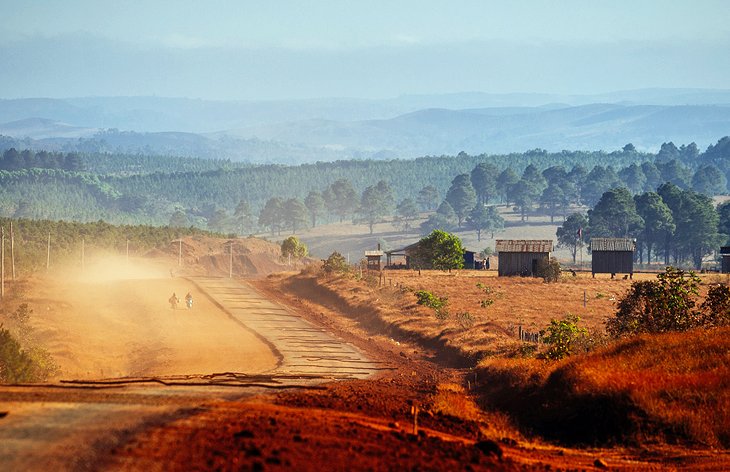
(671, 388)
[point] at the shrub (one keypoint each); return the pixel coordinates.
(667, 304)
(440, 250)
(431, 300)
(336, 264)
(715, 310)
(465, 319)
(18, 365)
(548, 270)
(562, 337)
(291, 246)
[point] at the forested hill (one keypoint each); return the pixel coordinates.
(136, 189)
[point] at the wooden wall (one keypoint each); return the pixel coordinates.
(519, 263)
(612, 262)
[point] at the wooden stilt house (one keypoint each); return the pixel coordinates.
(612, 256)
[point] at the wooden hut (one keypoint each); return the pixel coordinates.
(373, 258)
(613, 256)
(725, 254)
(521, 256)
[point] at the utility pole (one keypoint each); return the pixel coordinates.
(127, 251)
(83, 247)
(48, 254)
(230, 261)
(179, 253)
(12, 249)
(2, 263)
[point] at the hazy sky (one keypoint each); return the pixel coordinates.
(297, 49)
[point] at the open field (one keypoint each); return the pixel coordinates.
(658, 389)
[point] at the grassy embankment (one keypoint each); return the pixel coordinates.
(672, 388)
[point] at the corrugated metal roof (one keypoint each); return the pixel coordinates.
(523, 245)
(613, 244)
(373, 253)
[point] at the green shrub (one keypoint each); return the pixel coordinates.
(465, 319)
(662, 305)
(336, 264)
(18, 365)
(562, 337)
(431, 300)
(293, 247)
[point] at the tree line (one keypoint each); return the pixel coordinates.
(671, 225)
(536, 182)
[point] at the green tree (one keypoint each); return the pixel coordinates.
(697, 227)
(599, 180)
(272, 214)
(461, 196)
(615, 216)
(243, 217)
(485, 218)
(484, 180)
(525, 194)
(406, 212)
(293, 247)
(441, 251)
(709, 180)
(633, 177)
(294, 214)
(428, 197)
(674, 172)
(652, 175)
(658, 221)
(723, 212)
(553, 198)
(667, 152)
(315, 204)
(572, 235)
(376, 202)
(340, 198)
(505, 182)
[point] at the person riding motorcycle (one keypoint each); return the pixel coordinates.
(189, 300)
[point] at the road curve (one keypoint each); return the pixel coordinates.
(74, 425)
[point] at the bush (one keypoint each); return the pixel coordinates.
(548, 270)
(18, 365)
(291, 246)
(667, 304)
(465, 319)
(431, 300)
(336, 264)
(563, 336)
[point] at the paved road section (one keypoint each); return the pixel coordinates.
(304, 350)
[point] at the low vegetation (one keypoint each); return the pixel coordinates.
(20, 360)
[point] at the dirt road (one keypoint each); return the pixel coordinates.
(113, 323)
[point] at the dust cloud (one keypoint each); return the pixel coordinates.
(113, 319)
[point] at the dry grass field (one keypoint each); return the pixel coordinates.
(671, 388)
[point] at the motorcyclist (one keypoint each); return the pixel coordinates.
(189, 300)
(173, 301)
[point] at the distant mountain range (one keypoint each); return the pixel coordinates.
(309, 130)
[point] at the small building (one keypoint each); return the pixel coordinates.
(403, 258)
(521, 256)
(613, 256)
(373, 258)
(725, 254)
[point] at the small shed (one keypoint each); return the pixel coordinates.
(373, 258)
(725, 254)
(613, 256)
(521, 256)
